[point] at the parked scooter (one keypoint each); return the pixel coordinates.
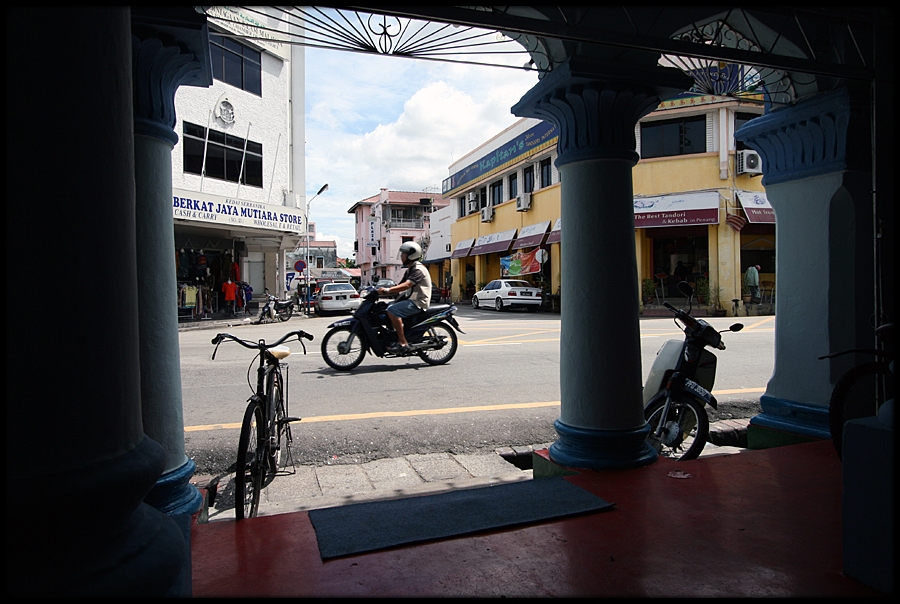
(679, 385)
(369, 330)
(275, 309)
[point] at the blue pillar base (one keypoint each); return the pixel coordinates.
(173, 494)
(596, 449)
(802, 419)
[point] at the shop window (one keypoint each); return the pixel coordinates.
(546, 173)
(739, 120)
(236, 64)
(497, 193)
(528, 177)
(513, 185)
(224, 155)
(682, 136)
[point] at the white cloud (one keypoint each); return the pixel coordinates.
(375, 121)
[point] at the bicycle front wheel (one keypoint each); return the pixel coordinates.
(251, 469)
(856, 395)
(685, 429)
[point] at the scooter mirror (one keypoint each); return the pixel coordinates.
(685, 288)
(736, 327)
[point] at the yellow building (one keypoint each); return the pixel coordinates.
(697, 196)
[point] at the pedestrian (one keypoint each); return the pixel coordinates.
(751, 280)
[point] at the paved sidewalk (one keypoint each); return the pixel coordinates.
(313, 487)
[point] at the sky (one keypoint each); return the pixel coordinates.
(376, 121)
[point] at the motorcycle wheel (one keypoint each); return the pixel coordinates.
(439, 332)
(685, 431)
(285, 314)
(332, 349)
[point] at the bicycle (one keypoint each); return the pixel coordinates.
(266, 423)
(862, 390)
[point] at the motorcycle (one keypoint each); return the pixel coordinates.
(369, 331)
(679, 385)
(275, 309)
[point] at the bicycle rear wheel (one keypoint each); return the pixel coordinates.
(856, 396)
(251, 469)
(280, 430)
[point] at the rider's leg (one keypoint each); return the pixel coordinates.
(397, 323)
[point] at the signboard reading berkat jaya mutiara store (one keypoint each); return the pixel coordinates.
(226, 211)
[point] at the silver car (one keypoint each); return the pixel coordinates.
(337, 297)
(501, 294)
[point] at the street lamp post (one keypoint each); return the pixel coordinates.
(308, 292)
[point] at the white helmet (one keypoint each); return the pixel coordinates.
(412, 250)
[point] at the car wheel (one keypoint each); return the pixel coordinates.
(498, 304)
(475, 302)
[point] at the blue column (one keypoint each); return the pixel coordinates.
(815, 165)
(78, 463)
(601, 422)
(158, 69)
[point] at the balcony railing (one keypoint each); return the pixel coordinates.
(405, 223)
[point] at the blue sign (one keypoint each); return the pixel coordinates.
(542, 135)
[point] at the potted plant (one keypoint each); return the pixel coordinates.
(701, 289)
(648, 290)
(745, 294)
(715, 301)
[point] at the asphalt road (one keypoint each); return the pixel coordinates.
(500, 390)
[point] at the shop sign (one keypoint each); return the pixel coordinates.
(542, 136)
(229, 212)
(493, 242)
(677, 210)
(756, 206)
(237, 21)
(521, 263)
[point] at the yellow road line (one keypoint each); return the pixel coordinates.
(418, 412)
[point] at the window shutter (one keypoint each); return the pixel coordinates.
(710, 132)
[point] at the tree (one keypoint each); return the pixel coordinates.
(346, 263)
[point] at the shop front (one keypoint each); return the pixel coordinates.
(676, 232)
(227, 252)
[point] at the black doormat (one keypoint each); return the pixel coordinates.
(364, 527)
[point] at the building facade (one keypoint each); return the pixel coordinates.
(386, 221)
(700, 211)
(237, 168)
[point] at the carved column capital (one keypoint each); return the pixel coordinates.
(808, 139)
(596, 107)
(159, 68)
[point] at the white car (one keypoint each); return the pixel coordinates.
(337, 297)
(501, 294)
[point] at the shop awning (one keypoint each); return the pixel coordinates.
(554, 235)
(756, 206)
(531, 235)
(462, 248)
(495, 242)
(676, 210)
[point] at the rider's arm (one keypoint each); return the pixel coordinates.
(396, 289)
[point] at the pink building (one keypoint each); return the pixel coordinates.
(384, 222)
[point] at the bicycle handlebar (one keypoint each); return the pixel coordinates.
(261, 344)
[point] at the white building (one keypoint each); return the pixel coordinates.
(238, 173)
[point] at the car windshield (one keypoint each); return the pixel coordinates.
(518, 284)
(338, 287)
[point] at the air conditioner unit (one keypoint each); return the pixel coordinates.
(472, 206)
(472, 196)
(748, 162)
(487, 214)
(523, 202)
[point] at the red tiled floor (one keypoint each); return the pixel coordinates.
(760, 523)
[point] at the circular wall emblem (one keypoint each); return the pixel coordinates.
(225, 111)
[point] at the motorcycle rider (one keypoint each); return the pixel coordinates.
(415, 286)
